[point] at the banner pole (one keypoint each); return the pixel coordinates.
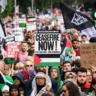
(12, 69)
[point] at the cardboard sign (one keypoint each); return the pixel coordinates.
(88, 55)
(12, 50)
(47, 47)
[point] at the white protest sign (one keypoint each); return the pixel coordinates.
(47, 47)
(18, 34)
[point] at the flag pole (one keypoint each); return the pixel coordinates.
(12, 69)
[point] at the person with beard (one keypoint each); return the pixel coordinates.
(63, 42)
(82, 80)
(39, 85)
(23, 52)
(76, 46)
(31, 49)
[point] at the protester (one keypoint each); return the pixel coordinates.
(84, 39)
(89, 75)
(55, 74)
(14, 90)
(19, 81)
(39, 85)
(5, 90)
(82, 80)
(76, 46)
(2, 64)
(19, 67)
(67, 66)
(23, 52)
(69, 89)
(25, 78)
(29, 65)
(92, 90)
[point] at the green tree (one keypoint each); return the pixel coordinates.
(23, 5)
(8, 9)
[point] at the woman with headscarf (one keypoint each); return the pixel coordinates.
(19, 81)
(55, 74)
(39, 85)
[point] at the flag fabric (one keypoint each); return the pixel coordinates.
(68, 43)
(51, 60)
(37, 60)
(67, 47)
(45, 61)
(77, 20)
(5, 79)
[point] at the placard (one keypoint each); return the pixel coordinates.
(47, 47)
(88, 55)
(31, 24)
(13, 50)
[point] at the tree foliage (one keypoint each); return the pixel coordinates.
(23, 5)
(8, 9)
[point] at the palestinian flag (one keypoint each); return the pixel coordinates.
(47, 60)
(66, 48)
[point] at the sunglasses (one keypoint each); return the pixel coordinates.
(28, 65)
(64, 91)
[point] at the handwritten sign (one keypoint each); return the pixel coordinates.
(88, 55)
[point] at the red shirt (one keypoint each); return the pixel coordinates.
(77, 52)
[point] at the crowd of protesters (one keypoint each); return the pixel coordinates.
(68, 79)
